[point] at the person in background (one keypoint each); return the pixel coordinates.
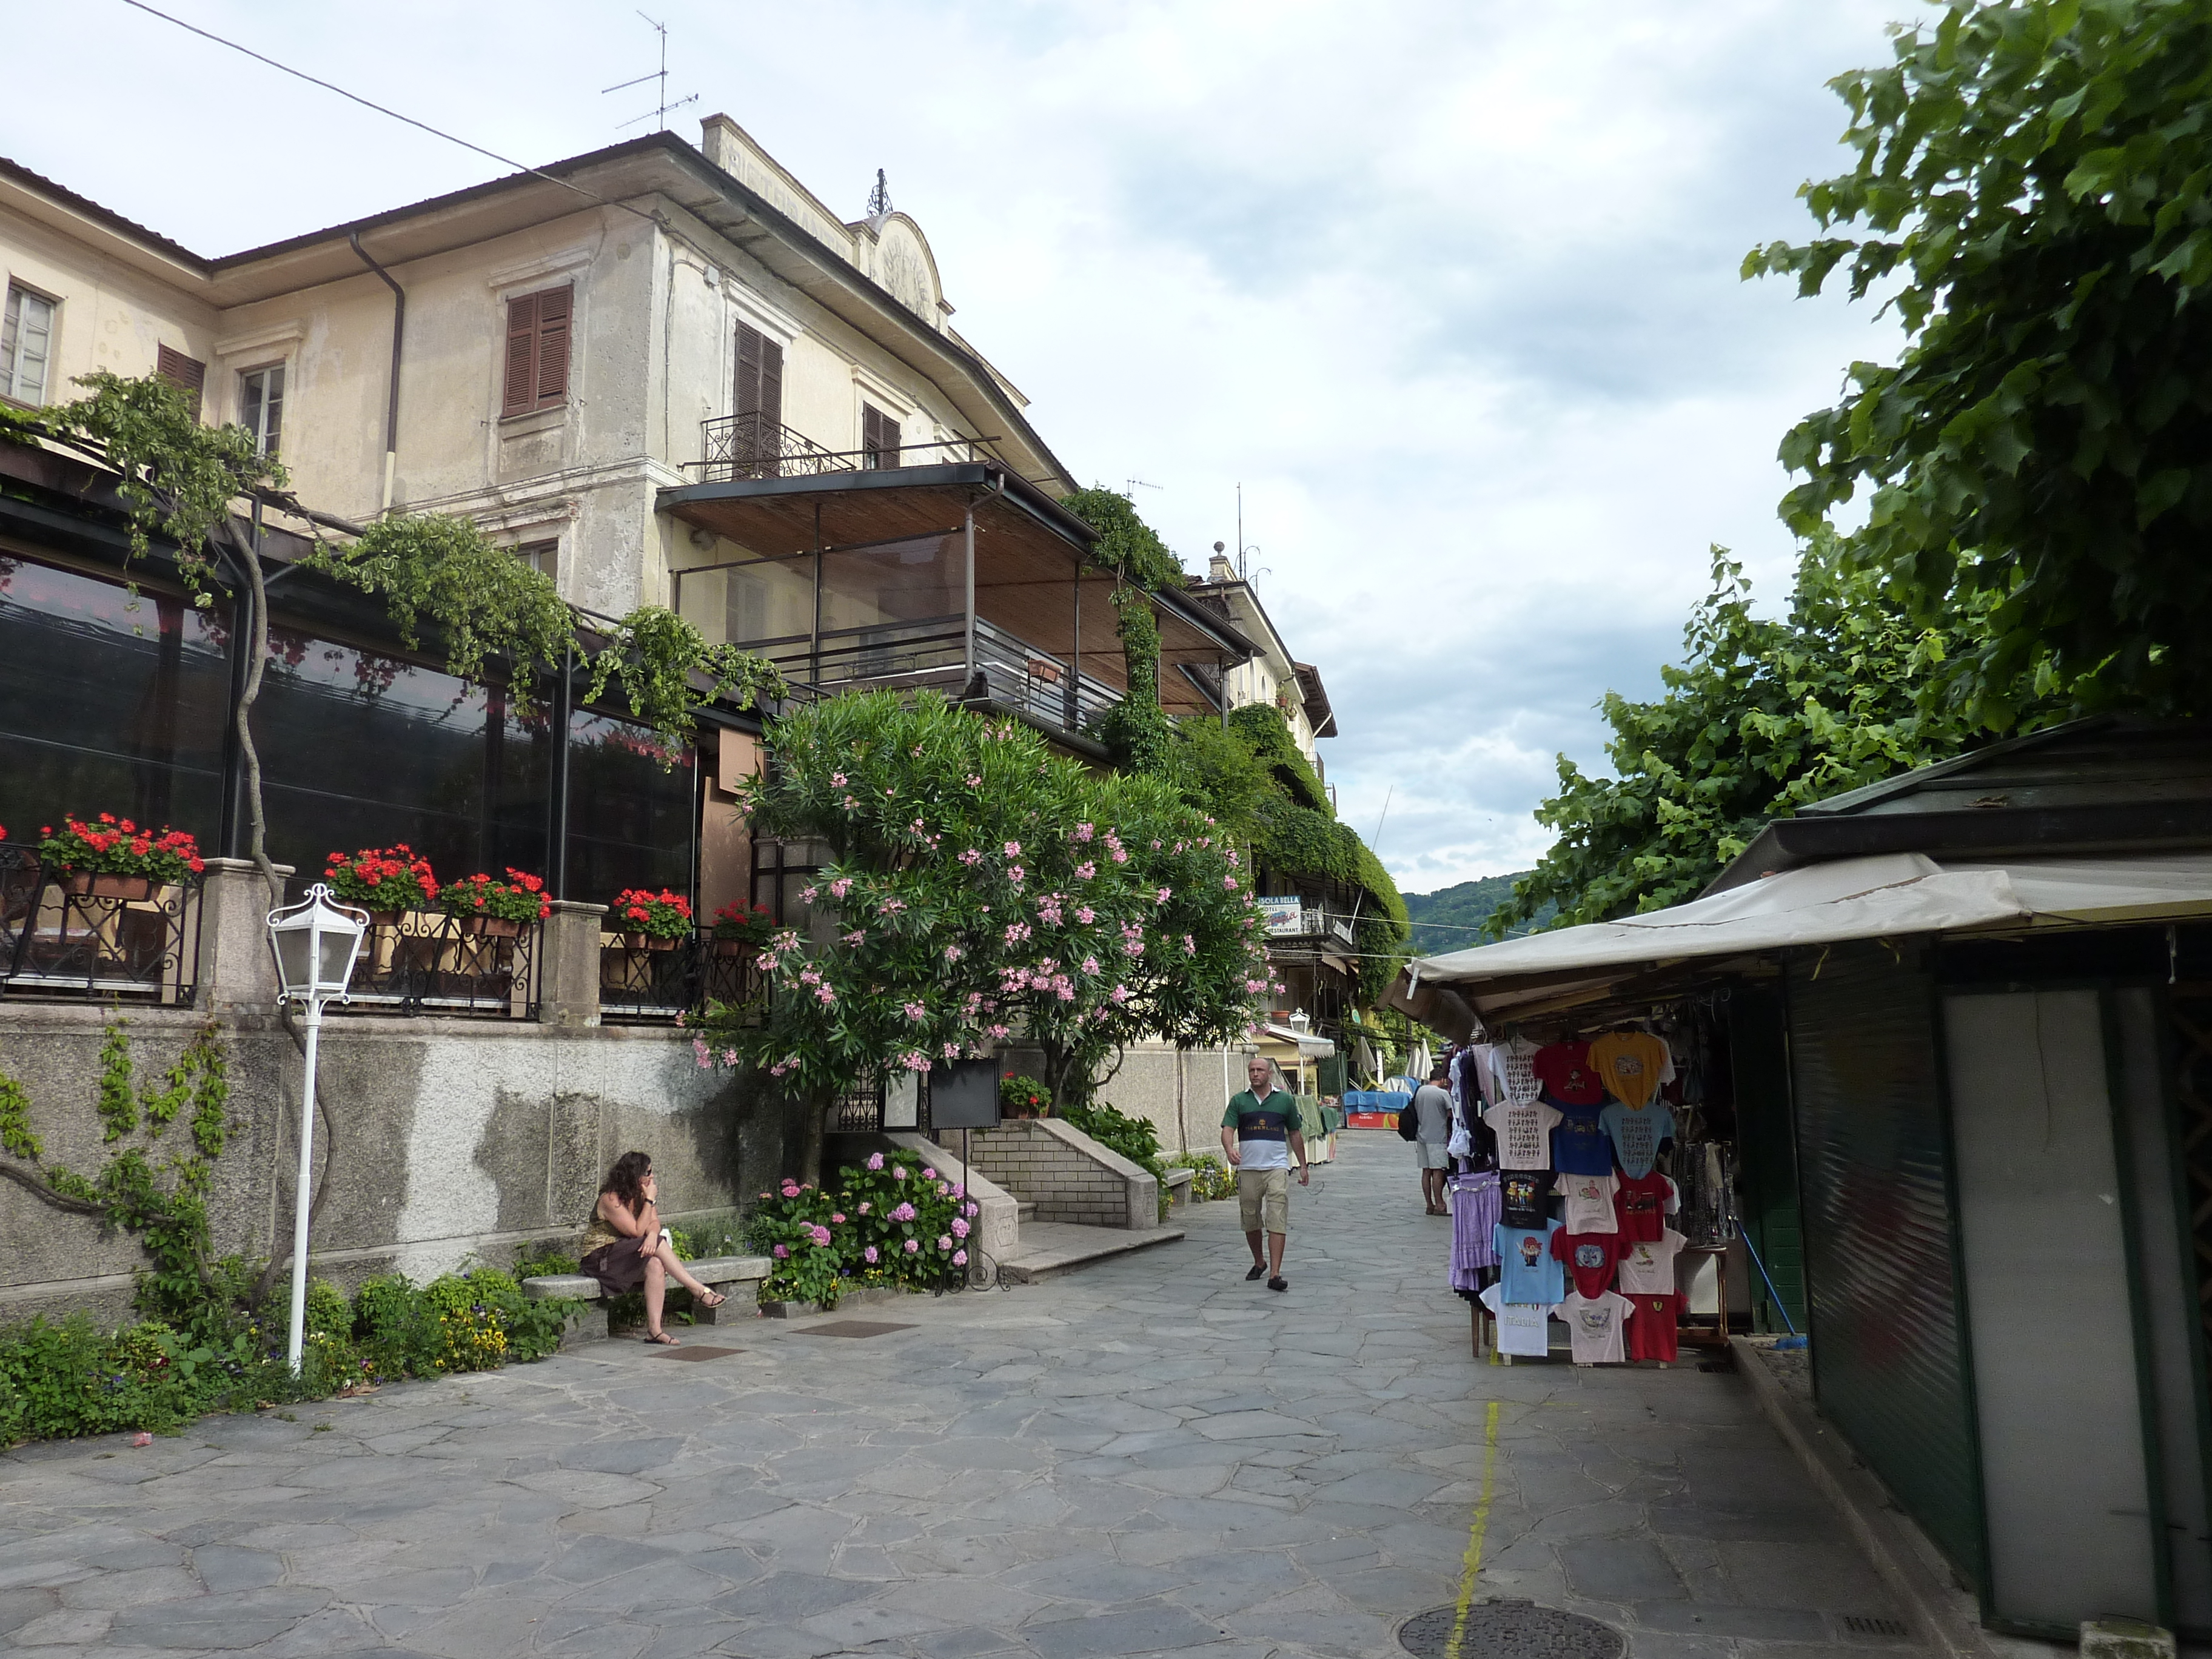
(625, 1247)
(1432, 1116)
(1259, 1134)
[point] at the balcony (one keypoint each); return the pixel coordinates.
(752, 446)
(956, 575)
(101, 940)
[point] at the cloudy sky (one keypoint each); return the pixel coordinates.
(1450, 286)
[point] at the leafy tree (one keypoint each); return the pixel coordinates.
(1762, 716)
(2032, 178)
(977, 885)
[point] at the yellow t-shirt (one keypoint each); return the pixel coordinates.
(1631, 1064)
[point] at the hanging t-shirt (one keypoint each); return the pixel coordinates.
(1512, 1069)
(1589, 1203)
(1647, 1265)
(1590, 1257)
(1521, 1197)
(1652, 1331)
(1630, 1065)
(1643, 1203)
(1524, 1133)
(1564, 1069)
(1637, 1135)
(1523, 1328)
(1597, 1326)
(1526, 1269)
(1580, 1145)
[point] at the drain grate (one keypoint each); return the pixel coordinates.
(1510, 1630)
(854, 1327)
(698, 1353)
(1872, 1627)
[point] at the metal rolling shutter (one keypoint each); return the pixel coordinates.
(1886, 1353)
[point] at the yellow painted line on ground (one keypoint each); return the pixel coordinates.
(1473, 1563)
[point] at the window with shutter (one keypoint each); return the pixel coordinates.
(538, 349)
(187, 374)
(879, 438)
(26, 332)
(261, 406)
(759, 393)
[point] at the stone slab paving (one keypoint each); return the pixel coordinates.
(1152, 1455)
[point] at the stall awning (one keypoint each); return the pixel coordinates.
(1891, 896)
(1309, 1046)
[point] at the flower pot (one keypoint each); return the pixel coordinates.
(732, 947)
(647, 942)
(384, 918)
(491, 926)
(79, 883)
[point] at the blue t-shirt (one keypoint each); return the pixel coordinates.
(1580, 1145)
(1636, 1135)
(1525, 1271)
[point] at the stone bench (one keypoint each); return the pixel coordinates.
(716, 1272)
(1178, 1182)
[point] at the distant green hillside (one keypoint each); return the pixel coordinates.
(1451, 918)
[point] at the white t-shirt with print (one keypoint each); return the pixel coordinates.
(1589, 1203)
(1524, 1133)
(1523, 1327)
(1597, 1326)
(1648, 1269)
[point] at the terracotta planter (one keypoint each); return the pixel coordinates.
(647, 942)
(733, 947)
(384, 918)
(491, 926)
(80, 882)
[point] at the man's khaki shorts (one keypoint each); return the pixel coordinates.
(1263, 1200)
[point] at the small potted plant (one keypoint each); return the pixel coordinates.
(113, 858)
(741, 929)
(496, 910)
(650, 921)
(1022, 1097)
(383, 881)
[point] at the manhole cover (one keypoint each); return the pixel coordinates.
(1510, 1630)
(854, 1327)
(698, 1353)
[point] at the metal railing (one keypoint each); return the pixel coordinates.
(425, 963)
(1038, 683)
(735, 447)
(97, 936)
(647, 981)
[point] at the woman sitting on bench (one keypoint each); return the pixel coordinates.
(625, 1247)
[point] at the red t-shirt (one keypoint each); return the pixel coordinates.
(1590, 1257)
(1564, 1069)
(1641, 1203)
(1651, 1331)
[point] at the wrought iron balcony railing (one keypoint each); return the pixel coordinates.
(425, 963)
(753, 446)
(648, 981)
(97, 937)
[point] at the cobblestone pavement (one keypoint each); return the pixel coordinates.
(1154, 1456)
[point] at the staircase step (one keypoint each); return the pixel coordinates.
(1025, 1210)
(1055, 1247)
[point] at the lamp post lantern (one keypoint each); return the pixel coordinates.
(314, 943)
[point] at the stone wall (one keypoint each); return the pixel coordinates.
(1066, 1174)
(444, 1139)
(1182, 1091)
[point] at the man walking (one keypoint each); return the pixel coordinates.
(1432, 1116)
(1259, 1134)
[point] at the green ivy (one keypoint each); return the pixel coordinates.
(1127, 545)
(16, 1134)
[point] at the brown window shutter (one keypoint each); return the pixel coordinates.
(554, 306)
(188, 374)
(771, 393)
(750, 342)
(521, 353)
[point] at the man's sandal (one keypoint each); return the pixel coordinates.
(1278, 1283)
(1257, 1269)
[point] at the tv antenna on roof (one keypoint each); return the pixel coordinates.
(659, 115)
(879, 200)
(1136, 484)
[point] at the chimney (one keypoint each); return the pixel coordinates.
(1219, 569)
(718, 141)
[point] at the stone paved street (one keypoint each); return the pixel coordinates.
(1152, 1455)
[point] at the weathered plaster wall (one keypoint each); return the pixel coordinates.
(446, 1138)
(1182, 1091)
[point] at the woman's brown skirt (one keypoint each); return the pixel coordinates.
(619, 1267)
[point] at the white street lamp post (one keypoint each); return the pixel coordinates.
(314, 943)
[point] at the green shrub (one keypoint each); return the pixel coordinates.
(1023, 1094)
(894, 1221)
(1213, 1178)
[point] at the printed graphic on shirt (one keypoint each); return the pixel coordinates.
(1596, 1327)
(1522, 1328)
(1637, 1135)
(1524, 1135)
(1521, 1195)
(1564, 1069)
(1589, 1203)
(1263, 1128)
(1590, 1257)
(1630, 1065)
(1647, 1265)
(1511, 1064)
(1643, 1203)
(1653, 1333)
(1525, 1267)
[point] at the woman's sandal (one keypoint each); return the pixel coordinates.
(661, 1339)
(711, 1299)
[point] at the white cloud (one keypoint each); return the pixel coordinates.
(1449, 286)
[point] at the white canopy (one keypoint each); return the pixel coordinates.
(1891, 896)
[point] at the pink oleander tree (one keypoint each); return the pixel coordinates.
(979, 888)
